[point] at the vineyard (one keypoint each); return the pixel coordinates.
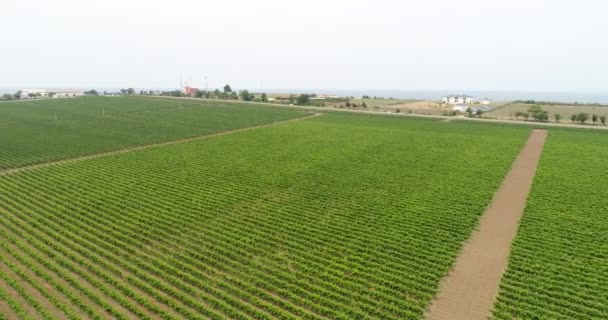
(559, 261)
(48, 130)
(336, 217)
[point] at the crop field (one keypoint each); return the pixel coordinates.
(508, 110)
(47, 130)
(335, 217)
(559, 261)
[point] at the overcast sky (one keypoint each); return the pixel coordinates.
(527, 45)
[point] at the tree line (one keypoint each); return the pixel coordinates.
(537, 113)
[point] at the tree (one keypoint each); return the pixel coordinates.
(364, 105)
(538, 113)
(227, 89)
(573, 118)
(582, 117)
(603, 120)
(264, 97)
(526, 116)
(91, 92)
(17, 94)
(303, 99)
(7, 96)
(123, 91)
(217, 94)
(594, 118)
(557, 117)
(347, 104)
(478, 113)
(245, 95)
(130, 91)
(233, 95)
(398, 110)
(469, 112)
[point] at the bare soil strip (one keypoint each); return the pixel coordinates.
(469, 290)
(145, 146)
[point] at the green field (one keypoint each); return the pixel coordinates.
(559, 260)
(47, 130)
(340, 216)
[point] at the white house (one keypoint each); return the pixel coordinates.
(486, 101)
(458, 99)
(63, 93)
(461, 107)
(56, 93)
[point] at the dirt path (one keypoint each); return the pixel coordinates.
(469, 290)
(145, 146)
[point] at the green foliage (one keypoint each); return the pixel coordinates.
(337, 217)
(303, 99)
(603, 120)
(245, 95)
(594, 118)
(538, 113)
(30, 127)
(469, 112)
(227, 89)
(558, 264)
(264, 97)
(557, 117)
(582, 117)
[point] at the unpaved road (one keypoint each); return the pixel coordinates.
(469, 290)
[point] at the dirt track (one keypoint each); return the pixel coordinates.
(145, 146)
(469, 290)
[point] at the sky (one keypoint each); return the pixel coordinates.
(526, 45)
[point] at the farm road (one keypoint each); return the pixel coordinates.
(469, 290)
(145, 146)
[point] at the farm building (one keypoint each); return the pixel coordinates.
(56, 93)
(460, 107)
(190, 91)
(458, 99)
(324, 96)
(62, 93)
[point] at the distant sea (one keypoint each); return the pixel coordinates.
(556, 96)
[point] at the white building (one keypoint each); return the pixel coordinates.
(55, 93)
(461, 107)
(458, 99)
(486, 101)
